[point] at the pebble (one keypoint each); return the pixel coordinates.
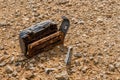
(8, 69)
(117, 78)
(25, 18)
(3, 24)
(32, 61)
(2, 64)
(17, 63)
(74, 20)
(62, 76)
(17, 14)
(73, 70)
(84, 69)
(118, 59)
(78, 55)
(23, 78)
(9, 75)
(5, 53)
(18, 69)
(12, 59)
(48, 70)
(62, 1)
(77, 63)
(4, 29)
(36, 14)
(41, 16)
(81, 22)
(1, 48)
(3, 57)
(111, 67)
(31, 67)
(91, 57)
(85, 54)
(85, 60)
(99, 19)
(96, 61)
(14, 74)
(117, 64)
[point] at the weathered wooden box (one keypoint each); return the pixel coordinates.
(42, 37)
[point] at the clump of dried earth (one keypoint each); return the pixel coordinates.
(94, 35)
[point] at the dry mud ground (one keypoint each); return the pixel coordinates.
(94, 35)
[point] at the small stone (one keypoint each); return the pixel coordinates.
(62, 1)
(84, 69)
(33, 19)
(96, 61)
(85, 60)
(111, 67)
(23, 78)
(17, 63)
(81, 22)
(73, 70)
(62, 76)
(48, 70)
(99, 19)
(36, 14)
(118, 59)
(12, 59)
(34, 10)
(117, 64)
(1, 48)
(25, 18)
(85, 55)
(3, 24)
(5, 53)
(31, 67)
(9, 75)
(117, 78)
(4, 29)
(118, 17)
(18, 69)
(75, 20)
(9, 69)
(40, 16)
(17, 14)
(78, 55)
(32, 61)
(91, 57)
(2, 58)
(2, 64)
(14, 74)
(77, 63)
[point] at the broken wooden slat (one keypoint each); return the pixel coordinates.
(45, 43)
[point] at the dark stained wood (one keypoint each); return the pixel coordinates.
(35, 33)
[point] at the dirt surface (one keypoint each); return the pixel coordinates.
(94, 34)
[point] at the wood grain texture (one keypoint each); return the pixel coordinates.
(36, 32)
(45, 43)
